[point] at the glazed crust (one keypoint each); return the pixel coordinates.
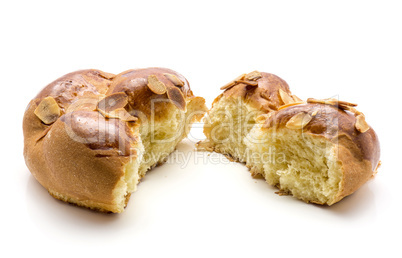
(134, 84)
(358, 152)
(265, 96)
(82, 164)
(80, 84)
(81, 157)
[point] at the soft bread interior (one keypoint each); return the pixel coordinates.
(300, 164)
(228, 122)
(158, 138)
(129, 181)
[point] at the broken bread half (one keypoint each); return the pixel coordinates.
(319, 151)
(234, 112)
(316, 152)
(90, 136)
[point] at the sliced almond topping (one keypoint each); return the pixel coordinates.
(299, 121)
(251, 83)
(173, 78)
(232, 83)
(48, 110)
(253, 76)
(228, 85)
(361, 124)
(332, 102)
(344, 103)
(265, 95)
(112, 106)
(88, 104)
(291, 104)
(353, 110)
(112, 102)
(121, 114)
(155, 85)
(344, 106)
(314, 112)
(286, 99)
(107, 76)
(296, 98)
(338, 103)
(321, 101)
(177, 97)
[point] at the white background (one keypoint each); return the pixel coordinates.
(206, 208)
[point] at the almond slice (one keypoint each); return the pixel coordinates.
(232, 83)
(315, 112)
(344, 103)
(353, 110)
(253, 76)
(299, 121)
(332, 102)
(361, 124)
(107, 76)
(112, 106)
(321, 101)
(291, 104)
(251, 83)
(155, 85)
(228, 85)
(173, 78)
(112, 102)
(89, 104)
(177, 97)
(296, 98)
(120, 113)
(286, 99)
(48, 111)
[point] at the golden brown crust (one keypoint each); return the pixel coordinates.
(135, 84)
(84, 83)
(358, 152)
(77, 162)
(265, 96)
(81, 155)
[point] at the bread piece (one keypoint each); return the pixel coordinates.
(87, 149)
(235, 111)
(319, 152)
(314, 152)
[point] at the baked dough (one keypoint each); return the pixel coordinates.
(90, 136)
(316, 150)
